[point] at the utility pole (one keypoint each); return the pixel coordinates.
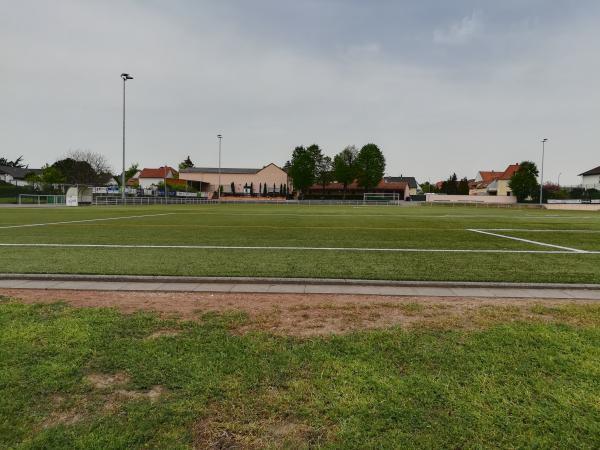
(542, 174)
(125, 77)
(220, 137)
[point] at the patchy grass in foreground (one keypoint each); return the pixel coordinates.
(96, 378)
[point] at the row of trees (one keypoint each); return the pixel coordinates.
(77, 167)
(309, 166)
(451, 186)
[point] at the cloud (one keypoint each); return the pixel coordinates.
(352, 73)
(461, 32)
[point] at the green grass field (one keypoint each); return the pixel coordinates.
(97, 379)
(390, 243)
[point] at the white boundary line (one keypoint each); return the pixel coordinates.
(529, 241)
(83, 220)
(391, 215)
(538, 230)
(329, 249)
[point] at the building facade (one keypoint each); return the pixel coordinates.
(591, 178)
(149, 177)
(17, 175)
(413, 186)
(240, 180)
(493, 182)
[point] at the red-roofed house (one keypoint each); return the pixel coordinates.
(493, 182)
(148, 177)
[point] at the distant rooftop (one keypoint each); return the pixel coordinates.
(216, 170)
(18, 172)
(412, 182)
(594, 171)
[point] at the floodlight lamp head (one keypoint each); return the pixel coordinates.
(126, 76)
(219, 136)
(545, 140)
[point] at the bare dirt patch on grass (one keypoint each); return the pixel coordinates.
(113, 392)
(311, 314)
(69, 417)
(107, 381)
(163, 333)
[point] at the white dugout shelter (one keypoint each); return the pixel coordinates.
(78, 195)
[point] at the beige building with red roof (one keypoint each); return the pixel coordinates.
(242, 180)
(493, 182)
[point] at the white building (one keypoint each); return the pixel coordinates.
(147, 178)
(591, 178)
(16, 175)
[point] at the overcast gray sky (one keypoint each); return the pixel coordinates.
(440, 86)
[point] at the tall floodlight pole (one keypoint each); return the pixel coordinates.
(542, 174)
(559, 174)
(220, 137)
(125, 77)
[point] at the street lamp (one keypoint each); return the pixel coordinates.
(165, 181)
(125, 77)
(559, 174)
(220, 137)
(542, 175)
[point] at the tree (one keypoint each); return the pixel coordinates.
(344, 166)
(76, 172)
(97, 161)
(370, 164)
(428, 187)
(233, 187)
(50, 175)
(129, 173)
(264, 189)
(186, 163)
(324, 171)
(301, 168)
(16, 163)
(450, 186)
(463, 186)
(133, 169)
(524, 183)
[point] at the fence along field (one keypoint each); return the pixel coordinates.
(419, 243)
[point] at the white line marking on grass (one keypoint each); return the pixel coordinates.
(529, 241)
(328, 249)
(83, 220)
(391, 215)
(538, 230)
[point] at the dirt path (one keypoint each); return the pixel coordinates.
(310, 314)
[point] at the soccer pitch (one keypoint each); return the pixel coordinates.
(372, 242)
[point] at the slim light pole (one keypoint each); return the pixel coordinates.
(542, 175)
(165, 173)
(220, 137)
(125, 77)
(559, 174)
